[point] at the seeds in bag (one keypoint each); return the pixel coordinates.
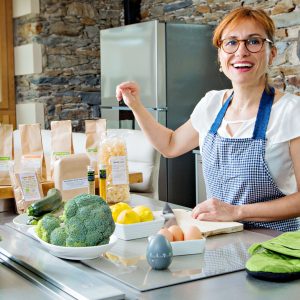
(32, 150)
(6, 152)
(26, 187)
(61, 141)
(113, 154)
(95, 131)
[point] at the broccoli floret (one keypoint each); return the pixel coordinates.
(46, 225)
(88, 221)
(58, 236)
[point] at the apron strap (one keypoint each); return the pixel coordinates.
(262, 118)
(215, 126)
(263, 115)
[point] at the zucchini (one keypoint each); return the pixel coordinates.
(51, 202)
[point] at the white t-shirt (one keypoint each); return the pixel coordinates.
(284, 125)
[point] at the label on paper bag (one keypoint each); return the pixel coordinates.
(4, 163)
(30, 186)
(74, 184)
(118, 171)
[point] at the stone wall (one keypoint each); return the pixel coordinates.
(69, 34)
(68, 31)
(285, 72)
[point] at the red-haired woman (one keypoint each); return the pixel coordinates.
(249, 136)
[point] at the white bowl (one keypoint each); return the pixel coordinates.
(75, 253)
(139, 230)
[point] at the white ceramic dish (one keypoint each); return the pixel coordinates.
(188, 247)
(139, 230)
(75, 253)
(21, 221)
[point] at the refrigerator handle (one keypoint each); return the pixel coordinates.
(127, 108)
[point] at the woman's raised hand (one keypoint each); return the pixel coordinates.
(129, 91)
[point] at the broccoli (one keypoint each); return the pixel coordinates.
(88, 221)
(58, 236)
(46, 225)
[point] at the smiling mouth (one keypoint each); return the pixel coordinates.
(242, 66)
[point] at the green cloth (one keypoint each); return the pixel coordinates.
(277, 259)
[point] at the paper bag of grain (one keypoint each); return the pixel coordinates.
(95, 132)
(32, 150)
(6, 152)
(70, 175)
(26, 187)
(61, 142)
(113, 155)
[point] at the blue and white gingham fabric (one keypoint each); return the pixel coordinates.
(235, 170)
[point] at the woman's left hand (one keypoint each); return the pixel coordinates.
(215, 210)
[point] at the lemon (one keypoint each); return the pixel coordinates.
(144, 212)
(128, 216)
(116, 209)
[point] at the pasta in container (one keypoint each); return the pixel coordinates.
(113, 154)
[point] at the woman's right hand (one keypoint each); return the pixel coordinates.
(129, 91)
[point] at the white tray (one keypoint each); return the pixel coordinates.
(188, 247)
(21, 221)
(75, 253)
(139, 230)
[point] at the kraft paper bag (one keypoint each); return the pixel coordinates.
(61, 142)
(32, 150)
(95, 131)
(6, 152)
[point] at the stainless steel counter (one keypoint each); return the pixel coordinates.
(236, 285)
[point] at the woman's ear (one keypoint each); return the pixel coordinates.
(273, 54)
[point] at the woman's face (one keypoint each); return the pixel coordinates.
(243, 67)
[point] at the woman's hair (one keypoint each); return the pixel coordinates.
(236, 16)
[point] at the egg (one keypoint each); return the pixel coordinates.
(167, 234)
(192, 233)
(176, 232)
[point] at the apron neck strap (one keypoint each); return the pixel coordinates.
(263, 115)
(217, 123)
(262, 118)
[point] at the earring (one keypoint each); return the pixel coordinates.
(220, 69)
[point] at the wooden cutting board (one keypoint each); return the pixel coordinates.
(184, 219)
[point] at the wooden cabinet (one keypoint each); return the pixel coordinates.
(7, 87)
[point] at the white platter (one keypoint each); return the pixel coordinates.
(139, 230)
(75, 253)
(21, 221)
(188, 247)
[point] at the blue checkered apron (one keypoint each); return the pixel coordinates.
(235, 170)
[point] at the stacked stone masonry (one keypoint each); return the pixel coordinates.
(68, 32)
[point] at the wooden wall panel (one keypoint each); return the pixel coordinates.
(7, 89)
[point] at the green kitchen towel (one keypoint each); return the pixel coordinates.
(277, 259)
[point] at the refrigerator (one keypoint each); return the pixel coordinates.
(175, 64)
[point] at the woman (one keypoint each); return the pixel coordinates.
(249, 136)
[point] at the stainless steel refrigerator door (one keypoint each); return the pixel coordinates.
(134, 53)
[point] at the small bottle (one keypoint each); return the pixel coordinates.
(102, 181)
(91, 180)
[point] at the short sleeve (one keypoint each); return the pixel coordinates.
(284, 122)
(206, 110)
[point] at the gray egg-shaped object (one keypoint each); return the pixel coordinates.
(159, 252)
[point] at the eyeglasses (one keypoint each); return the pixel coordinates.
(253, 44)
